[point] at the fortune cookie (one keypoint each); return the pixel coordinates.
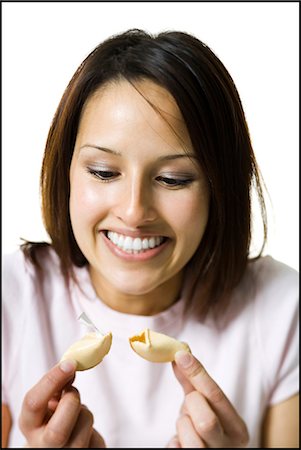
(89, 350)
(156, 347)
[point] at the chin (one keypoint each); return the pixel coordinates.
(132, 285)
(134, 290)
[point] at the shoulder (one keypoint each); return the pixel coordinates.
(276, 325)
(17, 269)
(35, 306)
(272, 274)
(269, 291)
(22, 280)
(275, 285)
(29, 294)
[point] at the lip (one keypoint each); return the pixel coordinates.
(134, 257)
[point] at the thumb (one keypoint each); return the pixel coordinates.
(182, 379)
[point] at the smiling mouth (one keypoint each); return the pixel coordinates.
(134, 245)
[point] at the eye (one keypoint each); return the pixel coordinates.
(104, 175)
(174, 182)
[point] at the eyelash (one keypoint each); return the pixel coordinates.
(103, 175)
(175, 182)
(106, 176)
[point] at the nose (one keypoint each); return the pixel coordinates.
(136, 206)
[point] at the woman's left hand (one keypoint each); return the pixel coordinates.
(207, 418)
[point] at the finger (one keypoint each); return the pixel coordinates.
(54, 401)
(82, 431)
(187, 434)
(182, 379)
(60, 426)
(174, 442)
(230, 420)
(204, 420)
(96, 441)
(52, 404)
(35, 404)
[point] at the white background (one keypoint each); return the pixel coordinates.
(43, 44)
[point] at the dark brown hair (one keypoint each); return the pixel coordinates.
(211, 107)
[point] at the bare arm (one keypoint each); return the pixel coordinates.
(6, 425)
(281, 425)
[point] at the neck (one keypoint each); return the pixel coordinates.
(147, 304)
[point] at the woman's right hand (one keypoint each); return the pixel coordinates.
(52, 415)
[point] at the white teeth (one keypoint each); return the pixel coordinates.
(130, 245)
(120, 241)
(145, 243)
(137, 244)
(115, 238)
(152, 242)
(127, 244)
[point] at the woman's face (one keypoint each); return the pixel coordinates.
(138, 204)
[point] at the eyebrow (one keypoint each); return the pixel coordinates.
(161, 158)
(103, 149)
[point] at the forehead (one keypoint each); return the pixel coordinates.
(142, 104)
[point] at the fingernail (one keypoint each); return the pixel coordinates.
(68, 365)
(183, 359)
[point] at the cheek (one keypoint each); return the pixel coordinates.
(188, 217)
(85, 201)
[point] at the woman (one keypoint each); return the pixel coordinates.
(145, 184)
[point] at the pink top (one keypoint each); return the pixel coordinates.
(252, 354)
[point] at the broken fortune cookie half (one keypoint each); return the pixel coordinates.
(156, 347)
(89, 350)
